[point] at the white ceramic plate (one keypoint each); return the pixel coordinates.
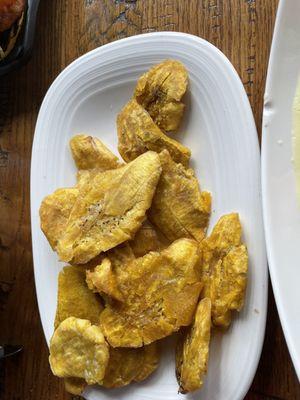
(281, 211)
(220, 130)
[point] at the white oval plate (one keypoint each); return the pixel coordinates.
(220, 130)
(281, 210)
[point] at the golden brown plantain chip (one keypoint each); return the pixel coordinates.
(224, 269)
(179, 209)
(150, 361)
(92, 157)
(74, 298)
(120, 255)
(78, 349)
(56, 208)
(192, 350)
(110, 209)
(147, 239)
(75, 385)
(160, 293)
(103, 280)
(84, 176)
(102, 277)
(130, 365)
(160, 90)
(54, 213)
(137, 133)
(89, 152)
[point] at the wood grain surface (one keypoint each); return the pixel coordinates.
(65, 30)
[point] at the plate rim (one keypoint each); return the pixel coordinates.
(278, 27)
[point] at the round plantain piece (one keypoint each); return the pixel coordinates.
(78, 349)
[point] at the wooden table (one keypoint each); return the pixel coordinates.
(65, 30)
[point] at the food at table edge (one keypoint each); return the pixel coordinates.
(192, 350)
(10, 11)
(11, 19)
(142, 266)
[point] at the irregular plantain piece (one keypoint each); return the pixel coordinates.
(117, 255)
(54, 213)
(56, 208)
(147, 239)
(160, 293)
(137, 133)
(179, 209)
(192, 350)
(150, 361)
(74, 299)
(78, 349)
(160, 90)
(103, 280)
(110, 209)
(92, 156)
(224, 269)
(130, 365)
(75, 385)
(89, 152)
(84, 176)
(120, 255)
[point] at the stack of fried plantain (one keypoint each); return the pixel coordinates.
(140, 264)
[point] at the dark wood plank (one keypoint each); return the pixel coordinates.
(259, 396)
(275, 375)
(65, 30)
